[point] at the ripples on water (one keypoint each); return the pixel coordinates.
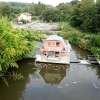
(55, 82)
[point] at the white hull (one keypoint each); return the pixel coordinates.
(63, 60)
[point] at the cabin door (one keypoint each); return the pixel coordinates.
(51, 54)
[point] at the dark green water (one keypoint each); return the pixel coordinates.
(55, 82)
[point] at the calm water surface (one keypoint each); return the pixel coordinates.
(55, 82)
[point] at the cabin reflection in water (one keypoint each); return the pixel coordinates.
(53, 73)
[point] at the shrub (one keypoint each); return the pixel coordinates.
(14, 44)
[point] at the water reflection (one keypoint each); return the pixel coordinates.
(14, 91)
(97, 69)
(53, 73)
(54, 82)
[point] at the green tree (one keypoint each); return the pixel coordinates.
(97, 16)
(37, 9)
(84, 15)
(5, 9)
(65, 10)
(50, 15)
(74, 2)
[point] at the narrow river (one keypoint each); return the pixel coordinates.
(55, 82)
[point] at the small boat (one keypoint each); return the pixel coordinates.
(54, 50)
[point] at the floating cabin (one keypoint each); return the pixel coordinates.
(54, 50)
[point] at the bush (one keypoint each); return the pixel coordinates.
(14, 44)
(70, 33)
(96, 51)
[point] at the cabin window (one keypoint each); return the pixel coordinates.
(56, 54)
(57, 43)
(63, 49)
(44, 53)
(51, 43)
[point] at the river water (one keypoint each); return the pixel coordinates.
(54, 82)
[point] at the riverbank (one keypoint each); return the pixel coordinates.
(15, 44)
(86, 41)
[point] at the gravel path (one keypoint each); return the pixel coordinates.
(39, 26)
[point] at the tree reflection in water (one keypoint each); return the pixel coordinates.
(53, 73)
(97, 69)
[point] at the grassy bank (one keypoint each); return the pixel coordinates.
(15, 44)
(86, 41)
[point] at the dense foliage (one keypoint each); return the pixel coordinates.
(86, 16)
(41, 11)
(87, 41)
(50, 15)
(14, 44)
(10, 10)
(13, 9)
